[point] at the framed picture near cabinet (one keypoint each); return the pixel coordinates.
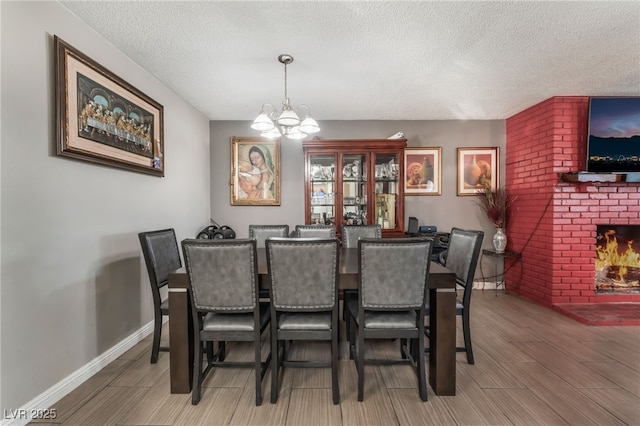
(477, 169)
(423, 170)
(102, 119)
(255, 171)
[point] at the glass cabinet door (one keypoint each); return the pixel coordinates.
(354, 189)
(387, 181)
(323, 189)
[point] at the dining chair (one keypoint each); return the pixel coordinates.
(314, 231)
(350, 236)
(391, 303)
(261, 232)
(304, 302)
(225, 305)
(462, 258)
(352, 233)
(162, 256)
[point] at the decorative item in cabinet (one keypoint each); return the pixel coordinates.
(322, 191)
(365, 172)
(385, 211)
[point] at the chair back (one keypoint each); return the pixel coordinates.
(315, 231)
(223, 274)
(261, 232)
(161, 255)
(352, 233)
(394, 273)
(304, 273)
(462, 257)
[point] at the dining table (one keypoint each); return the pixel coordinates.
(442, 321)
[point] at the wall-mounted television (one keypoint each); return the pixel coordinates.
(613, 142)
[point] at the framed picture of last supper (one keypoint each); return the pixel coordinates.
(103, 119)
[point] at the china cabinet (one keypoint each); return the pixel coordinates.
(355, 182)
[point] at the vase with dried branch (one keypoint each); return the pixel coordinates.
(495, 203)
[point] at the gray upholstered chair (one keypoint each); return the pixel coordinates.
(261, 232)
(391, 303)
(350, 236)
(162, 256)
(314, 231)
(225, 306)
(462, 258)
(304, 301)
(352, 233)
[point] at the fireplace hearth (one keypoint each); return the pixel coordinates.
(617, 261)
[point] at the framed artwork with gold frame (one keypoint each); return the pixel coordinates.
(423, 169)
(477, 169)
(255, 171)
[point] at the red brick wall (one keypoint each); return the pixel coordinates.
(553, 223)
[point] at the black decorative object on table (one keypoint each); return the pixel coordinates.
(215, 231)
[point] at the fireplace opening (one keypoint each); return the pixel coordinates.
(617, 259)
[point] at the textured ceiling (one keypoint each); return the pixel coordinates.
(357, 60)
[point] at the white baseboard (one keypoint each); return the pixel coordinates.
(486, 285)
(55, 393)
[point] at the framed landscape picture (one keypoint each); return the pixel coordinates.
(423, 170)
(255, 171)
(103, 119)
(477, 169)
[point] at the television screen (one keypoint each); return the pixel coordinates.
(613, 144)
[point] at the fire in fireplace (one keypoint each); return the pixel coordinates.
(618, 259)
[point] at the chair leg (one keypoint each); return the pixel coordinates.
(360, 365)
(157, 331)
(422, 379)
(275, 360)
(197, 372)
(210, 352)
(221, 351)
(334, 367)
(258, 370)
(347, 325)
(467, 336)
(352, 336)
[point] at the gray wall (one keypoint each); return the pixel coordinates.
(73, 283)
(443, 211)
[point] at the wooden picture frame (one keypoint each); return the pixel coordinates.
(102, 119)
(255, 171)
(477, 169)
(423, 171)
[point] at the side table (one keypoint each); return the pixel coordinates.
(499, 277)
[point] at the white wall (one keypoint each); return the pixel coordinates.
(73, 283)
(445, 211)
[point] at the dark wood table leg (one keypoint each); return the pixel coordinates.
(181, 334)
(442, 340)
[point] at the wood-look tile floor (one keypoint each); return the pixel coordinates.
(533, 366)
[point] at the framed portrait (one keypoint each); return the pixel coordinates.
(423, 169)
(255, 171)
(477, 169)
(102, 119)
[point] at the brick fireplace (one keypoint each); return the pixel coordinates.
(554, 223)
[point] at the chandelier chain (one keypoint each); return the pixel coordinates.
(285, 81)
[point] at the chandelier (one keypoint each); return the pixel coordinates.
(273, 123)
